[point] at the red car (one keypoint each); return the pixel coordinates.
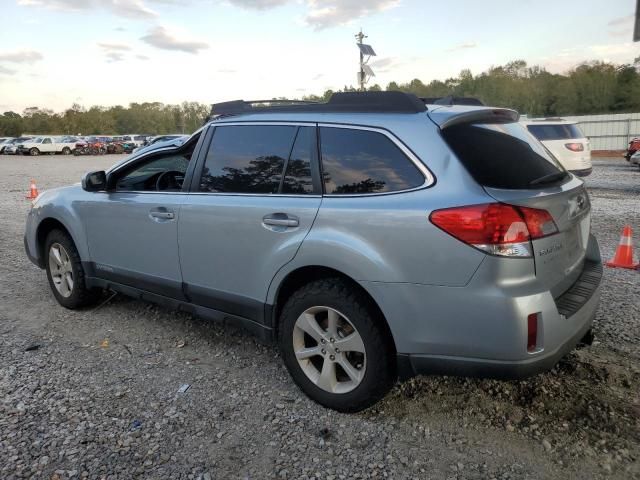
(634, 146)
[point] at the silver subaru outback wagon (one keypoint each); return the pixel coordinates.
(373, 237)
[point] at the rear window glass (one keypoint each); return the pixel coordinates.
(503, 155)
(555, 132)
(362, 161)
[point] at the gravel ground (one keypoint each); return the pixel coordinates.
(96, 393)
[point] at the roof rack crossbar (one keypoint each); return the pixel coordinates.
(345, 102)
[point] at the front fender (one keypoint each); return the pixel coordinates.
(59, 205)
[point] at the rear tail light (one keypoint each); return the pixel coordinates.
(496, 228)
(532, 332)
(574, 147)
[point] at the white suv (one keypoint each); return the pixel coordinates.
(565, 141)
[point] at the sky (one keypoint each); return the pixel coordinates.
(54, 53)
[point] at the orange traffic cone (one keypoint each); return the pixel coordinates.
(33, 191)
(624, 254)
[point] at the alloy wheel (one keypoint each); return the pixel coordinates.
(61, 270)
(329, 349)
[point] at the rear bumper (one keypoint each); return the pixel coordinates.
(582, 172)
(417, 364)
(481, 329)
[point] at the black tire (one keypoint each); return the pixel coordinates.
(380, 373)
(66, 151)
(34, 152)
(80, 296)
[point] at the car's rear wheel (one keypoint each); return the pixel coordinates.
(66, 151)
(65, 273)
(34, 151)
(335, 347)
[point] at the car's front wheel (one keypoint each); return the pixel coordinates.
(66, 151)
(335, 347)
(34, 151)
(65, 273)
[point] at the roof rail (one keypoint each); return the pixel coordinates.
(341, 102)
(453, 100)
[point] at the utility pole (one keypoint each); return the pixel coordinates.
(360, 37)
(365, 71)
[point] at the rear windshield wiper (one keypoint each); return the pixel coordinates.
(552, 177)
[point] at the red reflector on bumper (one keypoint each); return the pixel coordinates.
(532, 332)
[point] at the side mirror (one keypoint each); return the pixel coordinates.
(95, 181)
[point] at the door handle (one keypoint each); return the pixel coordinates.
(162, 214)
(281, 220)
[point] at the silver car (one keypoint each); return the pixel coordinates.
(372, 237)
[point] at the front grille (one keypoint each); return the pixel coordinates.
(581, 291)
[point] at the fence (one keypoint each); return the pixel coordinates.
(609, 131)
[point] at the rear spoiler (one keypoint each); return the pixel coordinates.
(445, 118)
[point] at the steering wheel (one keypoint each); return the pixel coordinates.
(169, 181)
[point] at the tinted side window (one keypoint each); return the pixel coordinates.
(362, 161)
(247, 158)
(297, 178)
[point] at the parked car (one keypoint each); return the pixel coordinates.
(162, 138)
(4, 142)
(634, 146)
(635, 158)
(46, 144)
(565, 141)
(372, 237)
(120, 145)
(11, 148)
(138, 140)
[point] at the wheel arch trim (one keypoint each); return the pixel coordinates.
(72, 225)
(286, 275)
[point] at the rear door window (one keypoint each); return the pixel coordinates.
(556, 132)
(503, 156)
(362, 161)
(247, 158)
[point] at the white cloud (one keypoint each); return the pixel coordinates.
(330, 13)
(258, 4)
(386, 64)
(627, 19)
(114, 46)
(21, 56)
(569, 58)
(462, 46)
(114, 57)
(135, 9)
(160, 37)
(6, 71)
(621, 26)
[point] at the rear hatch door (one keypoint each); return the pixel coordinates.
(515, 168)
